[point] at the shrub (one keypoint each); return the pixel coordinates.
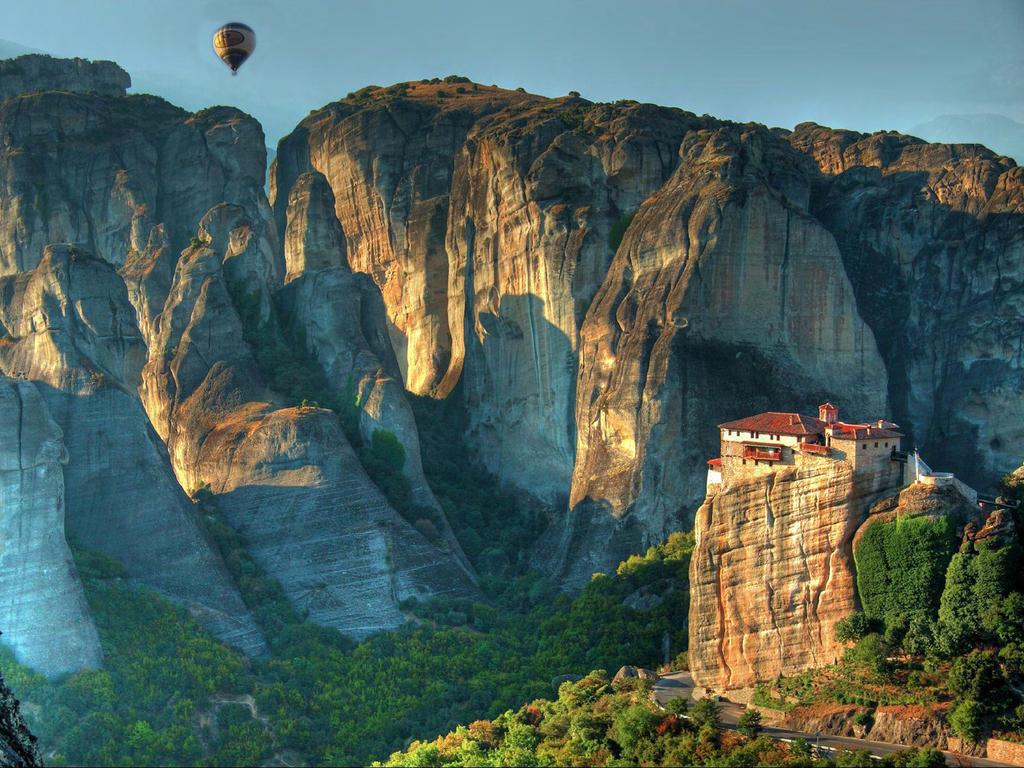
(967, 719)
(706, 712)
(618, 230)
(750, 723)
(977, 676)
(676, 706)
(853, 628)
(864, 719)
(901, 566)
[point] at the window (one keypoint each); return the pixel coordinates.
(876, 444)
(886, 445)
(744, 462)
(864, 446)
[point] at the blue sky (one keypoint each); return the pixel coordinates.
(863, 65)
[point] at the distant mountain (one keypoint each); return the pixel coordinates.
(997, 132)
(10, 49)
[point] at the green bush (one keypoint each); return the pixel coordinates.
(750, 723)
(967, 720)
(977, 583)
(901, 567)
(618, 230)
(854, 627)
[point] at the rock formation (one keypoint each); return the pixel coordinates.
(773, 567)
(931, 240)
(42, 607)
(597, 285)
(68, 326)
(773, 571)
(285, 477)
(144, 368)
(17, 744)
(37, 72)
(607, 282)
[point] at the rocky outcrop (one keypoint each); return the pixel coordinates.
(772, 571)
(36, 72)
(339, 318)
(723, 262)
(17, 744)
(910, 726)
(115, 176)
(930, 238)
(595, 349)
(67, 325)
(42, 606)
(286, 477)
(485, 219)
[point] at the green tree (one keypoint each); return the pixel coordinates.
(706, 712)
(633, 725)
(853, 627)
(860, 758)
(977, 676)
(901, 566)
(967, 720)
(750, 723)
(676, 706)
(977, 582)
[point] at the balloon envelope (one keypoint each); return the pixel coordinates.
(233, 43)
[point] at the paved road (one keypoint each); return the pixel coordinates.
(681, 684)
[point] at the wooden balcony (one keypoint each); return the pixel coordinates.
(762, 452)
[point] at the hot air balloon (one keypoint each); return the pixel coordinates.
(234, 43)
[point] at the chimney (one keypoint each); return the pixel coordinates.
(828, 413)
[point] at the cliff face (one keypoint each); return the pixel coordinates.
(42, 607)
(773, 571)
(598, 285)
(606, 283)
(484, 220)
(931, 239)
(36, 72)
(132, 331)
(68, 327)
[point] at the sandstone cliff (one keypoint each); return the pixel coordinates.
(607, 282)
(931, 239)
(773, 570)
(144, 368)
(773, 567)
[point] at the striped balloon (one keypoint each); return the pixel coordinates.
(233, 43)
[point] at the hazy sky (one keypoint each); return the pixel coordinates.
(863, 65)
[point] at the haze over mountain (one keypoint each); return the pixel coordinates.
(780, 64)
(997, 132)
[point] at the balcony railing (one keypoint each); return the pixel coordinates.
(759, 453)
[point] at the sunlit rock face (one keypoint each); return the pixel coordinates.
(773, 571)
(42, 606)
(286, 477)
(131, 330)
(485, 222)
(762, 269)
(68, 326)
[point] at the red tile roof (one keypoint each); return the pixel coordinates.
(715, 462)
(778, 423)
